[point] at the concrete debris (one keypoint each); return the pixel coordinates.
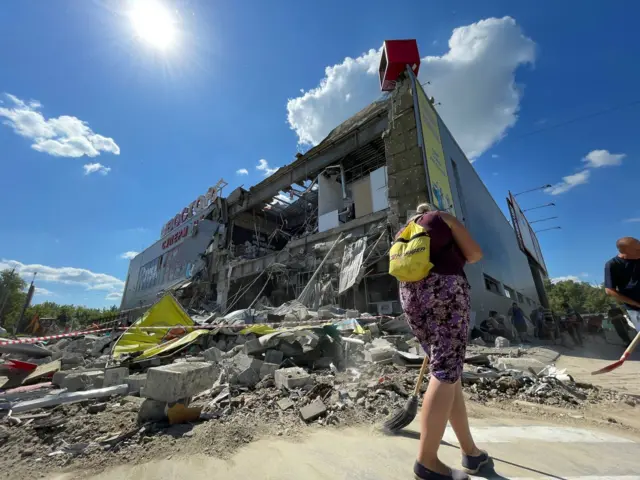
(313, 411)
(291, 378)
(171, 383)
(358, 368)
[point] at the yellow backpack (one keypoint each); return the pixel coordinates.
(409, 258)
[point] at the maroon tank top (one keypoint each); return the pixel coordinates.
(446, 256)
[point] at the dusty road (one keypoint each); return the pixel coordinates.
(522, 449)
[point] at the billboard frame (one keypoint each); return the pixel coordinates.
(535, 255)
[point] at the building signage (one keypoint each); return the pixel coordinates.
(196, 207)
(436, 163)
(175, 238)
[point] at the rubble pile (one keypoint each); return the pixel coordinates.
(76, 397)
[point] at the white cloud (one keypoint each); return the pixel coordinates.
(602, 158)
(263, 166)
(43, 292)
(66, 276)
(593, 159)
(474, 81)
(63, 136)
(632, 220)
(242, 171)
(569, 182)
(90, 168)
(129, 255)
(114, 296)
(567, 278)
(495, 155)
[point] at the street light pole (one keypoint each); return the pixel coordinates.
(543, 220)
(540, 206)
(534, 189)
(547, 229)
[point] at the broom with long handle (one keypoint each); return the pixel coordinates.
(632, 346)
(404, 416)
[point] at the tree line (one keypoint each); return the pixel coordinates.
(13, 294)
(582, 296)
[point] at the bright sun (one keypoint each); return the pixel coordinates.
(154, 23)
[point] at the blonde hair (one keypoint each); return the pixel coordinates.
(424, 208)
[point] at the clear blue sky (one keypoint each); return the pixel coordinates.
(104, 134)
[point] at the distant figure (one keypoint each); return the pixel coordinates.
(616, 317)
(572, 323)
(537, 317)
(622, 277)
(519, 322)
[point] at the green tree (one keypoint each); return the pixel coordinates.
(12, 297)
(582, 296)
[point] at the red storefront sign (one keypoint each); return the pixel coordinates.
(175, 238)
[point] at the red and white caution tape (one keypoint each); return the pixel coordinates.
(190, 327)
(53, 337)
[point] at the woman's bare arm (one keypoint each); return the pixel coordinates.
(469, 247)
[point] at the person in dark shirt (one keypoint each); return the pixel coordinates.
(572, 323)
(622, 277)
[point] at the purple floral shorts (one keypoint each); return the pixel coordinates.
(437, 309)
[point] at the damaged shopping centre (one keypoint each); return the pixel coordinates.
(278, 240)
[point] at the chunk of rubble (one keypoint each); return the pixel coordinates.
(292, 378)
(502, 342)
(171, 383)
(314, 410)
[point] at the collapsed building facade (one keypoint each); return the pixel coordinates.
(319, 229)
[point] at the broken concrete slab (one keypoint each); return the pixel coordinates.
(285, 403)
(136, 383)
(352, 314)
(291, 378)
(273, 356)
(268, 369)
(313, 411)
(522, 363)
(379, 355)
(213, 354)
(115, 376)
(253, 347)
(101, 343)
(152, 411)
(171, 383)
(502, 342)
(80, 381)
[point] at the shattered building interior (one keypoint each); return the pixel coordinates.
(318, 230)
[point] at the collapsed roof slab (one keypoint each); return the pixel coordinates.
(357, 131)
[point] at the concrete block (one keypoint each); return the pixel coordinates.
(314, 410)
(100, 344)
(291, 378)
(115, 376)
(502, 342)
(245, 370)
(310, 340)
(325, 314)
(253, 347)
(374, 329)
(379, 355)
(61, 344)
(71, 360)
(152, 411)
(79, 345)
(171, 383)
(290, 349)
(522, 364)
(274, 356)
(268, 369)
(80, 381)
(285, 403)
(353, 314)
(136, 383)
(213, 354)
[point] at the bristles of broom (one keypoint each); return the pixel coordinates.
(405, 415)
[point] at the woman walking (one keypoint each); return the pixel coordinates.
(437, 309)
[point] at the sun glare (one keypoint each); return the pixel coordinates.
(154, 23)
